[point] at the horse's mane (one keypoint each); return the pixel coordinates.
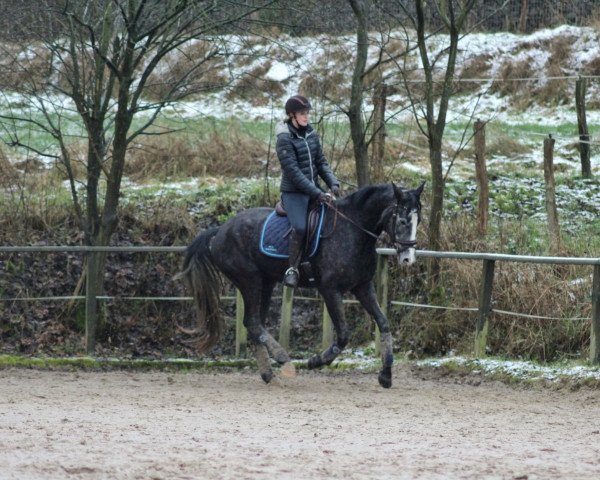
(364, 194)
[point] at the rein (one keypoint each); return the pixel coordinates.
(330, 205)
(403, 244)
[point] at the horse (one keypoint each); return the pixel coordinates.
(344, 262)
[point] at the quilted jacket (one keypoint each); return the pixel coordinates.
(302, 161)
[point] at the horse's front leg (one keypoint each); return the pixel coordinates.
(333, 300)
(365, 294)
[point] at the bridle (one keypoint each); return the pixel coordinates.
(400, 245)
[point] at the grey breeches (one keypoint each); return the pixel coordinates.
(296, 206)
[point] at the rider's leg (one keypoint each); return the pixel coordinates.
(292, 274)
(296, 206)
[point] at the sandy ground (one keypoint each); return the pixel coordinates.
(319, 425)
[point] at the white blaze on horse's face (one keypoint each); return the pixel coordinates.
(404, 223)
(408, 235)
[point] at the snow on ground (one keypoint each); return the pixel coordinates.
(522, 370)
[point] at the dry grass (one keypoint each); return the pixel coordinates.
(331, 85)
(510, 85)
(24, 68)
(476, 68)
(556, 92)
(255, 88)
(8, 173)
(209, 72)
(592, 67)
(219, 151)
(524, 289)
(500, 144)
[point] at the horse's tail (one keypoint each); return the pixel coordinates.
(202, 278)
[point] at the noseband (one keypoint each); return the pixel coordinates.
(401, 245)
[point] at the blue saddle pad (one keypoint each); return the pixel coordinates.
(275, 232)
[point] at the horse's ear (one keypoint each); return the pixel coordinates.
(419, 190)
(398, 192)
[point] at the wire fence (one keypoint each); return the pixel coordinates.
(483, 310)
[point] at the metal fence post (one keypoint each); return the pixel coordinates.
(485, 304)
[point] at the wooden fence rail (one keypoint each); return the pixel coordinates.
(484, 308)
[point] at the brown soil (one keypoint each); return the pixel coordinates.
(319, 425)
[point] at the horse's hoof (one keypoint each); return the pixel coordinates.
(267, 376)
(315, 362)
(385, 379)
(288, 370)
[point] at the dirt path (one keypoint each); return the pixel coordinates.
(123, 425)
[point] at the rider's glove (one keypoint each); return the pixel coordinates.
(324, 198)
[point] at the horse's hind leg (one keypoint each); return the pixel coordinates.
(277, 352)
(333, 300)
(252, 293)
(256, 305)
(365, 294)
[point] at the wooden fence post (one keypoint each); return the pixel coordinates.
(327, 329)
(553, 227)
(595, 333)
(240, 331)
(287, 301)
(381, 289)
(584, 136)
(91, 302)
(485, 307)
(482, 177)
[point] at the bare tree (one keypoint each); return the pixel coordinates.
(368, 76)
(98, 65)
(361, 10)
(431, 106)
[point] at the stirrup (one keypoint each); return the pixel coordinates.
(291, 276)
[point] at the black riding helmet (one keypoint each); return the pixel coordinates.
(296, 104)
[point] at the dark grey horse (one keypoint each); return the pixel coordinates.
(345, 261)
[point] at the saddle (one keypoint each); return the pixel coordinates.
(274, 239)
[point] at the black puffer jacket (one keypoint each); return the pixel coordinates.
(302, 161)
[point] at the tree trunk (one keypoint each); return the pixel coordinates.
(437, 205)
(378, 145)
(523, 16)
(453, 21)
(355, 113)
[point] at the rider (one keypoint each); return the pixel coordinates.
(302, 162)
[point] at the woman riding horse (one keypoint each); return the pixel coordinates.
(344, 262)
(302, 163)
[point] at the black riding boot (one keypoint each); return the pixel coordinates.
(290, 279)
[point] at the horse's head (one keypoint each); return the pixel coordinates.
(402, 223)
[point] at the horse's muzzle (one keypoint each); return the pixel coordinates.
(406, 253)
